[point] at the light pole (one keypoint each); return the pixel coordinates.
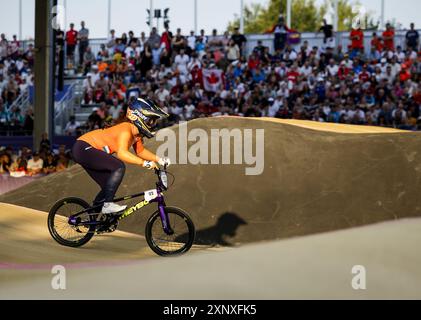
(336, 15)
(20, 20)
(242, 16)
(289, 6)
(382, 10)
(64, 28)
(109, 18)
(151, 14)
(195, 17)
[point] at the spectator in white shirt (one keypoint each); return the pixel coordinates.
(189, 109)
(306, 69)
(115, 109)
(35, 165)
(162, 94)
(332, 68)
(181, 61)
(176, 110)
(274, 106)
(72, 126)
(399, 54)
(191, 40)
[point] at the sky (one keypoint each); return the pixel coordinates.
(131, 14)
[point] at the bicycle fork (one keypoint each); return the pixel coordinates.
(164, 216)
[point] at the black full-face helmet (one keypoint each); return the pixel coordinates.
(145, 114)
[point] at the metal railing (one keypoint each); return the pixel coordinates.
(22, 102)
(63, 110)
(314, 39)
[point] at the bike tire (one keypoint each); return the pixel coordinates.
(53, 232)
(190, 234)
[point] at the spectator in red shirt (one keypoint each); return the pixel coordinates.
(404, 75)
(343, 71)
(71, 41)
(293, 75)
(357, 37)
(254, 60)
(364, 75)
(377, 42)
(167, 38)
(389, 38)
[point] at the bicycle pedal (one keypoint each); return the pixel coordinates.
(107, 229)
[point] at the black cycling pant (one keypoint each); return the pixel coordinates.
(106, 170)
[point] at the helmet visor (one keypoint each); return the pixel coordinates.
(152, 122)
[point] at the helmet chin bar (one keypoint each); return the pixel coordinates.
(144, 132)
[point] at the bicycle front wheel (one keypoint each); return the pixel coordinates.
(170, 245)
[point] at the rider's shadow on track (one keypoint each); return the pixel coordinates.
(226, 226)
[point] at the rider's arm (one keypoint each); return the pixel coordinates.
(123, 152)
(147, 155)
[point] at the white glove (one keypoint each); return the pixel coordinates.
(164, 162)
(150, 165)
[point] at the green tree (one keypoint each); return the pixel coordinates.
(307, 15)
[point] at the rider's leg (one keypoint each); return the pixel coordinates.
(109, 183)
(105, 170)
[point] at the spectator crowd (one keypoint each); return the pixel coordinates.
(194, 76)
(26, 162)
(16, 75)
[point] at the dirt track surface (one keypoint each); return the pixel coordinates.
(313, 267)
(27, 244)
(314, 181)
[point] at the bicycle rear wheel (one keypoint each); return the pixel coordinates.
(65, 233)
(170, 245)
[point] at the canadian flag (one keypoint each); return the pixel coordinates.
(212, 79)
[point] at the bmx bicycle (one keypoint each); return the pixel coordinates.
(72, 222)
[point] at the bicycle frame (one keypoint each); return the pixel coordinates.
(128, 212)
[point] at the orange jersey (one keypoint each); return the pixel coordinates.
(107, 140)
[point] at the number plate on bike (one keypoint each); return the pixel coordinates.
(151, 195)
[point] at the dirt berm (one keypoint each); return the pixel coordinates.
(313, 181)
